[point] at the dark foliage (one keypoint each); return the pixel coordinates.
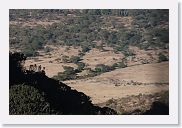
(158, 108)
(162, 57)
(27, 100)
(16, 61)
(61, 97)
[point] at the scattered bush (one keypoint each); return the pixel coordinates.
(65, 59)
(162, 57)
(81, 66)
(85, 49)
(102, 68)
(89, 27)
(33, 93)
(29, 52)
(74, 59)
(48, 49)
(162, 34)
(68, 70)
(119, 65)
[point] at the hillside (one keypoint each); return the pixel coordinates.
(104, 61)
(33, 93)
(135, 80)
(30, 30)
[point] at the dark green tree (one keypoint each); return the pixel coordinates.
(27, 100)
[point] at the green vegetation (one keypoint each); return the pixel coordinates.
(33, 93)
(162, 57)
(68, 74)
(164, 97)
(81, 66)
(74, 59)
(161, 34)
(119, 65)
(47, 49)
(85, 49)
(27, 100)
(85, 27)
(31, 30)
(160, 105)
(102, 68)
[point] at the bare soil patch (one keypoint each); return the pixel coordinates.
(52, 61)
(145, 56)
(152, 78)
(95, 56)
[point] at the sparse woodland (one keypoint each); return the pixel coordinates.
(33, 32)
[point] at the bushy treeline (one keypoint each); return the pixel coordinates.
(86, 27)
(70, 73)
(53, 13)
(49, 13)
(33, 93)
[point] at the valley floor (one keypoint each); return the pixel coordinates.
(135, 80)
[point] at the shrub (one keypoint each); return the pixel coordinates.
(36, 42)
(81, 66)
(24, 99)
(85, 49)
(164, 97)
(68, 74)
(102, 68)
(64, 76)
(68, 70)
(114, 66)
(38, 94)
(121, 65)
(128, 53)
(75, 59)
(47, 49)
(162, 57)
(162, 34)
(29, 52)
(65, 59)
(81, 54)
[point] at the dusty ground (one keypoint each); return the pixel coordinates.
(147, 73)
(52, 61)
(147, 79)
(133, 80)
(143, 57)
(95, 56)
(144, 75)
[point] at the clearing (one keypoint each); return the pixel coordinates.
(139, 79)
